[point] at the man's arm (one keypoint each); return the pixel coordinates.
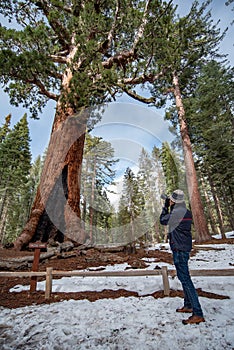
(165, 215)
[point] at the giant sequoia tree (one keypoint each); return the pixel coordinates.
(80, 53)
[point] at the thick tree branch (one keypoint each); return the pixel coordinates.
(133, 94)
(119, 59)
(59, 58)
(42, 89)
(150, 78)
(144, 78)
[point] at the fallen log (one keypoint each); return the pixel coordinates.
(24, 262)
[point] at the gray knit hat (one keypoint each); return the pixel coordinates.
(177, 196)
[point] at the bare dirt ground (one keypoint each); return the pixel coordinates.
(78, 260)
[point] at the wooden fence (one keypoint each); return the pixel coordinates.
(49, 273)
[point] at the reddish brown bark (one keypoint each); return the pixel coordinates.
(200, 224)
(56, 207)
(56, 210)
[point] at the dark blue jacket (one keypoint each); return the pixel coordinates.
(179, 220)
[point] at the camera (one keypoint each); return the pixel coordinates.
(166, 199)
(164, 196)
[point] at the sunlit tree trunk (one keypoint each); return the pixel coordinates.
(217, 207)
(3, 221)
(201, 228)
(91, 213)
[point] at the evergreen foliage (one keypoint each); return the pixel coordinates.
(15, 164)
(94, 42)
(172, 169)
(130, 207)
(5, 128)
(151, 184)
(34, 178)
(97, 175)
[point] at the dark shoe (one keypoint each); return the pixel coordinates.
(184, 309)
(194, 319)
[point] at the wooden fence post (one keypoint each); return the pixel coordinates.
(37, 246)
(48, 286)
(166, 286)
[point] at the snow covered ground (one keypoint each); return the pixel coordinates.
(141, 323)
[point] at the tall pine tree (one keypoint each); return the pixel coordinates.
(97, 175)
(174, 56)
(210, 118)
(149, 181)
(15, 164)
(130, 207)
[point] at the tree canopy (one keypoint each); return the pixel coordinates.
(104, 48)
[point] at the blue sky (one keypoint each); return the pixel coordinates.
(129, 127)
(141, 124)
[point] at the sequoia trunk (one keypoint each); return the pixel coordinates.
(201, 228)
(56, 210)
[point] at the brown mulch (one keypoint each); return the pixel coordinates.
(218, 241)
(89, 259)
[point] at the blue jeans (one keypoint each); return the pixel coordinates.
(190, 294)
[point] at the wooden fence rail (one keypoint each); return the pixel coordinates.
(49, 273)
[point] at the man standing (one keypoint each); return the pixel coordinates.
(179, 218)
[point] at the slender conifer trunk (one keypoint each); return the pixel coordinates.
(211, 217)
(91, 209)
(217, 206)
(201, 228)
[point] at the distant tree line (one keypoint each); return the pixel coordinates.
(19, 178)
